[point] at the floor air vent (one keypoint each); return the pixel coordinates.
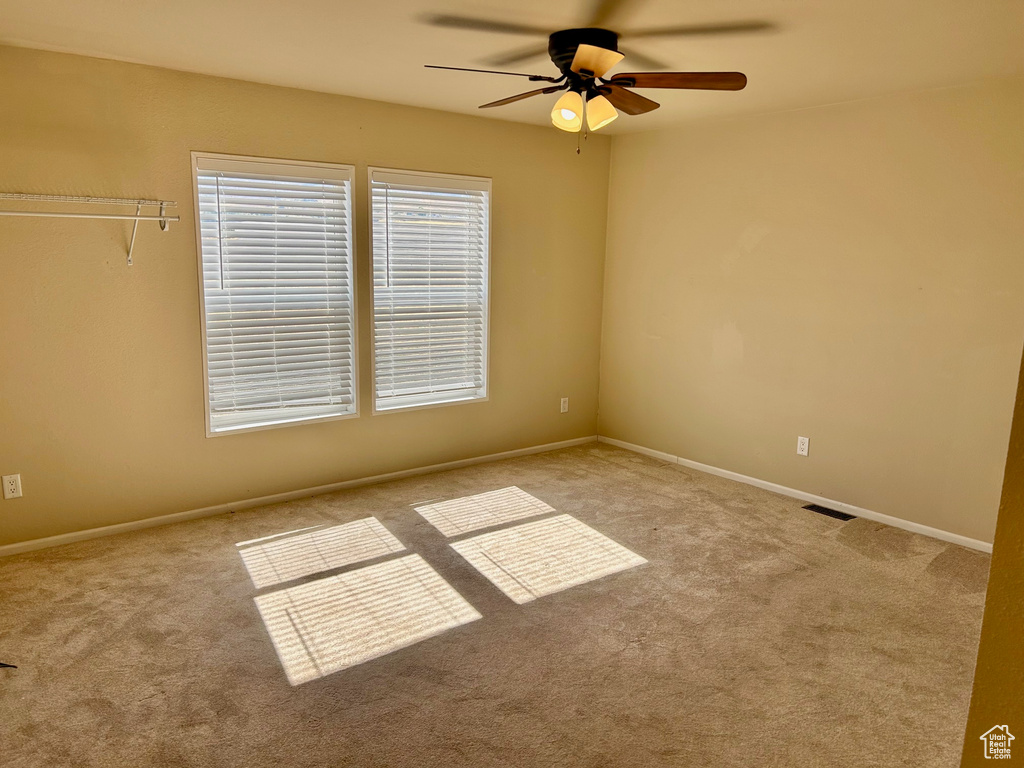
(829, 512)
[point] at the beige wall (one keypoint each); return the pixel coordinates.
(851, 273)
(101, 383)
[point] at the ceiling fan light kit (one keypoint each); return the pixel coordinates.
(586, 54)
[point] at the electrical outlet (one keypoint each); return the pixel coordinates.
(802, 445)
(12, 486)
(565, 405)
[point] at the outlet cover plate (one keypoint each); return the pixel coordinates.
(12, 486)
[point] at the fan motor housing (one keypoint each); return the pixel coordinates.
(562, 45)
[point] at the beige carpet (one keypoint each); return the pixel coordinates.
(757, 634)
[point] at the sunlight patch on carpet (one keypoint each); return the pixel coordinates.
(284, 557)
(543, 557)
(483, 510)
(328, 625)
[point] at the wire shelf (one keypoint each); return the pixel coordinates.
(83, 199)
(161, 216)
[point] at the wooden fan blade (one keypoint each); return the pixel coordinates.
(629, 102)
(642, 59)
(521, 96)
(595, 60)
(484, 25)
(708, 81)
(496, 72)
(702, 29)
(520, 54)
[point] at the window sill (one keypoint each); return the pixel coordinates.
(277, 423)
(455, 401)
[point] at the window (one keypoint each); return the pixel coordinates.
(276, 264)
(431, 249)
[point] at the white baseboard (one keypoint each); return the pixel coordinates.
(217, 509)
(867, 514)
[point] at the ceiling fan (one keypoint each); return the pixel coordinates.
(585, 54)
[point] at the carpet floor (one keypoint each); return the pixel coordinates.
(756, 634)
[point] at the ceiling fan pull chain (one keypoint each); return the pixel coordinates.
(583, 127)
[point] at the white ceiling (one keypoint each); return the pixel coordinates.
(823, 51)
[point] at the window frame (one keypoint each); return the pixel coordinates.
(257, 164)
(427, 175)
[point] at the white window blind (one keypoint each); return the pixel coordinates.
(431, 252)
(276, 264)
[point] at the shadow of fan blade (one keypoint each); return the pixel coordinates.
(514, 57)
(482, 25)
(703, 29)
(643, 60)
(603, 11)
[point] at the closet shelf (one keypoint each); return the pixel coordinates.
(161, 215)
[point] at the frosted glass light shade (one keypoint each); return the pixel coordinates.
(594, 59)
(600, 112)
(568, 112)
